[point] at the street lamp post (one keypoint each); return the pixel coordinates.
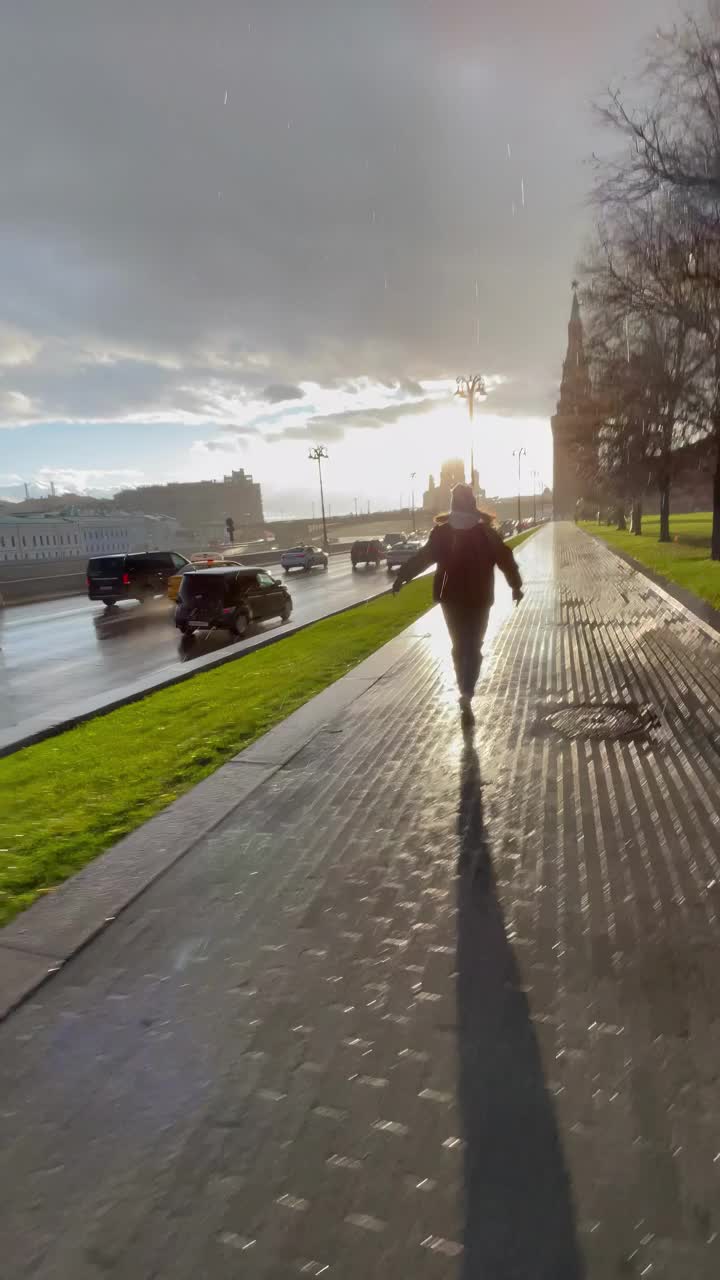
(412, 497)
(467, 389)
(316, 454)
(519, 454)
(534, 475)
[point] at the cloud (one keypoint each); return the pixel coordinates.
(249, 210)
(92, 483)
(16, 408)
(17, 348)
(332, 426)
(279, 392)
(230, 444)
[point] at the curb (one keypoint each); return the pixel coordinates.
(39, 728)
(39, 941)
(679, 598)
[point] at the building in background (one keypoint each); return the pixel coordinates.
(436, 497)
(201, 506)
(573, 424)
(74, 535)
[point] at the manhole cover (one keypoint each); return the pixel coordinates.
(601, 720)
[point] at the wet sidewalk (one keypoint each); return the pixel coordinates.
(424, 1005)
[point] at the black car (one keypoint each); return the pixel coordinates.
(229, 599)
(137, 575)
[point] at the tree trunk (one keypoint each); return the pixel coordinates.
(715, 540)
(636, 526)
(664, 510)
(620, 521)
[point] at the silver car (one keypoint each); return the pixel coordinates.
(302, 557)
(404, 551)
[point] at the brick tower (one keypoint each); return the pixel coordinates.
(572, 424)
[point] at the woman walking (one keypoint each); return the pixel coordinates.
(466, 549)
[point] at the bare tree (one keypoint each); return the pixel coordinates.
(666, 185)
(652, 400)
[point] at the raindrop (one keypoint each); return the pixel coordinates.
(226, 98)
(372, 215)
(386, 282)
(509, 153)
(477, 289)
(513, 209)
(522, 191)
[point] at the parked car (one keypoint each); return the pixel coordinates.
(197, 562)
(137, 575)
(229, 598)
(403, 552)
(306, 558)
(367, 551)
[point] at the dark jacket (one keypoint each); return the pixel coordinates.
(465, 560)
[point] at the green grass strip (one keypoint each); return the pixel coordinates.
(685, 561)
(65, 800)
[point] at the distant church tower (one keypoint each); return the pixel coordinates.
(573, 419)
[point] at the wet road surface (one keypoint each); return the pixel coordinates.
(63, 651)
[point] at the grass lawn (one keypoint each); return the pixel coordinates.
(685, 560)
(68, 798)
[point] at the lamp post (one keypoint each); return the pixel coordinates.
(316, 454)
(468, 389)
(519, 454)
(412, 497)
(534, 475)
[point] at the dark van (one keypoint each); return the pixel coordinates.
(229, 599)
(367, 551)
(137, 575)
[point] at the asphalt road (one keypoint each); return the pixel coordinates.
(59, 652)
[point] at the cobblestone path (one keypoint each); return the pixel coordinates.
(426, 1005)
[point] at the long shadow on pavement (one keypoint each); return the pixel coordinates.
(519, 1219)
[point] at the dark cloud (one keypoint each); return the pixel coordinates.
(221, 446)
(279, 392)
(277, 192)
(410, 387)
(332, 426)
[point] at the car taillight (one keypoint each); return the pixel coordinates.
(87, 582)
(126, 579)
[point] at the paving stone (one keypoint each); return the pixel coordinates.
(421, 1004)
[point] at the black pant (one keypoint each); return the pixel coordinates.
(467, 626)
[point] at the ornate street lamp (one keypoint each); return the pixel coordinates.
(519, 454)
(468, 389)
(317, 454)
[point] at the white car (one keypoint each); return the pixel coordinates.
(306, 558)
(403, 552)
